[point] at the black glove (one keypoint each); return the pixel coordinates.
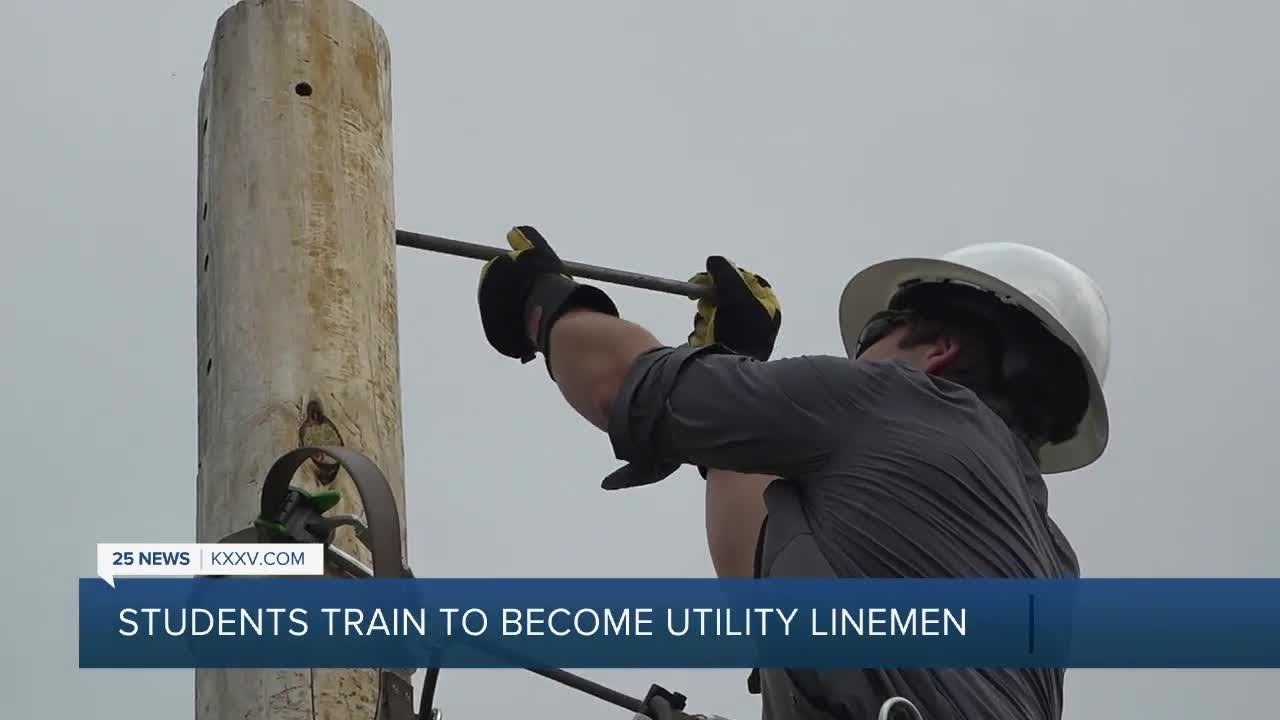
(745, 314)
(531, 276)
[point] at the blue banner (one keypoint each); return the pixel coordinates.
(500, 623)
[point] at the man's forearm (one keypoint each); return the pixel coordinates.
(591, 353)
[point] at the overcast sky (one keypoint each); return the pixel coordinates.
(804, 140)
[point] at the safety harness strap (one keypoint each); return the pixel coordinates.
(753, 680)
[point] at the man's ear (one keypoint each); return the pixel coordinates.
(942, 352)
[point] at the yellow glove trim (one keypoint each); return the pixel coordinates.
(704, 321)
(518, 242)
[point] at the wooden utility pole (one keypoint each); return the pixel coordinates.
(296, 299)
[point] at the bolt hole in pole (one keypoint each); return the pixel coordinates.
(303, 89)
(317, 429)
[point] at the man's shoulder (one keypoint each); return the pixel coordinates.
(900, 388)
(889, 373)
(873, 388)
(849, 374)
(940, 425)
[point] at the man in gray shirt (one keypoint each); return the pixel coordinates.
(919, 455)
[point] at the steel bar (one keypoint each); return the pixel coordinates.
(577, 682)
(590, 687)
(459, 248)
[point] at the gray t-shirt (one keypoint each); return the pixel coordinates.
(884, 471)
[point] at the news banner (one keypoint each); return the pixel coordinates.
(210, 605)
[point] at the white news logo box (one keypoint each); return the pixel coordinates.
(192, 559)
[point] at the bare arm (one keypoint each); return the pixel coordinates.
(590, 355)
(735, 511)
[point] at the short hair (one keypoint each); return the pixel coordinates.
(1029, 378)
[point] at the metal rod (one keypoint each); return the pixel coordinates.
(564, 677)
(578, 270)
(627, 702)
(352, 566)
(607, 694)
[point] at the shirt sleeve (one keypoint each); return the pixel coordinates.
(707, 406)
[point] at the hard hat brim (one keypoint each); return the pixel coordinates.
(871, 290)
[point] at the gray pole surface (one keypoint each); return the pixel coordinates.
(297, 326)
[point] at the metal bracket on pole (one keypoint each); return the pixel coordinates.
(289, 514)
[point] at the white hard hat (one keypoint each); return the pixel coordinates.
(1060, 295)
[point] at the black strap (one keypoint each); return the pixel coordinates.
(753, 680)
(757, 564)
(556, 294)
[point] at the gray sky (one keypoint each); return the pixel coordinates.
(803, 140)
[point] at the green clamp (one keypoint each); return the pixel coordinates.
(301, 517)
